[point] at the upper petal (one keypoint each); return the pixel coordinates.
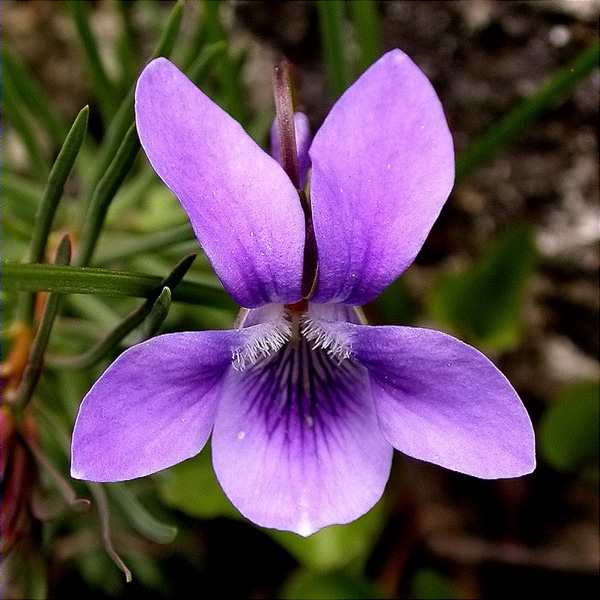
(152, 408)
(382, 168)
(442, 401)
(296, 445)
(243, 207)
(303, 139)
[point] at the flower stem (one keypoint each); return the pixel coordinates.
(284, 108)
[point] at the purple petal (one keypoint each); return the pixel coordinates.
(296, 445)
(442, 401)
(152, 408)
(382, 168)
(244, 209)
(303, 139)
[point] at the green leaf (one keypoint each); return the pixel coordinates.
(331, 22)
(192, 488)
(483, 303)
(87, 280)
(501, 133)
(395, 306)
(431, 585)
(569, 430)
(365, 21)
(304, 585)
(334, 547)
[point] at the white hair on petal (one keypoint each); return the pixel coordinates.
(321, 337)
(261, 341)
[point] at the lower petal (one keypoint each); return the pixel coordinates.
(152, 408)
(442, 401)
(296, 444)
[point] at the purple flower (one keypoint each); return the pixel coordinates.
(305, 403)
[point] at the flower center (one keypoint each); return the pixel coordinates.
(292, 330)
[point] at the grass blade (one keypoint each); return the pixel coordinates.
(61, 170)
(12, 105)
(103, 87)
(104, 193)
(331, 23)
(485, 147)
(33, 369)
(135, 318)
(148, 243)
(365, 21)
(33, 96)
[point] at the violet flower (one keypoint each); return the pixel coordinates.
(305, 403)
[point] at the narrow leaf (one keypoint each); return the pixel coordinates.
(86, 280)
(112, 339)
(59, 174)
(485, 147)
(33, 96)
(331, 22)
(104, 193)
(102, 85)
(12, 105)
(33, 369)
(365, 21)
(151, 242)
(54, 187)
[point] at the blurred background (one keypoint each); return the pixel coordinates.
(511, 266)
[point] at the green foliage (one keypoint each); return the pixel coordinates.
(569, 432)
(305, 585)
(483, 303)
(428, 584)
(335, 547)
(192, 488)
